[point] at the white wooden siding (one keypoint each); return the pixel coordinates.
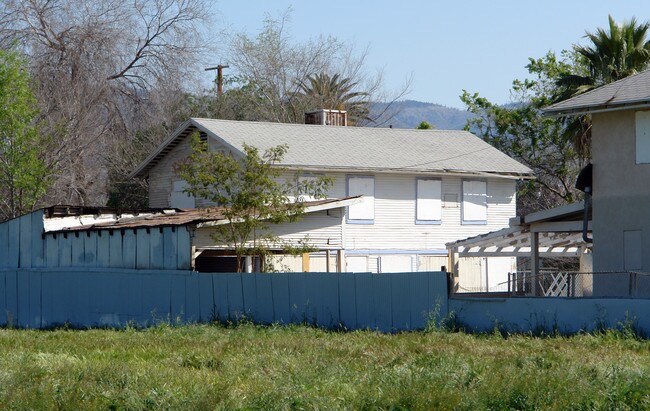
(323, 229)
(162, 175)
(432, 262)
(394, 225)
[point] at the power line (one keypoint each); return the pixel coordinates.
(442, 159)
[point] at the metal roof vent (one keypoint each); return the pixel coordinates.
(326, 117)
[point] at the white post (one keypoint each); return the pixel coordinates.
(327, 260)
(534, 260)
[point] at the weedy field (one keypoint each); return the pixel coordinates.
(298, 367)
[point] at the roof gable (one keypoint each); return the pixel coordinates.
(353, 148)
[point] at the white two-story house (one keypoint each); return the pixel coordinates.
(420, 189)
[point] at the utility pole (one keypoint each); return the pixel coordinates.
(219, 69)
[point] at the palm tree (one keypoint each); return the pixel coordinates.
(336, 93)
(611, 56)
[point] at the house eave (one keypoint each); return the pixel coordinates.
(604, 108)
(176, 137)
(380, 170)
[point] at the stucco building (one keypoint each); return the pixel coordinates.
(620, 147)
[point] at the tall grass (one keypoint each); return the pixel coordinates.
(295, 367)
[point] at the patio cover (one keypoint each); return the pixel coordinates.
(556, 232)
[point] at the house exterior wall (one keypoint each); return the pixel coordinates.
(162, 176)
(620, 202)
(323, 228)
(392, 236)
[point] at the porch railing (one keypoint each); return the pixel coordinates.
(568, 284)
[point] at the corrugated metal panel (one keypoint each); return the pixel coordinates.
(105, 297)
(78, 250)
(90, 249)
(38, 251)
(25, 241)
(129, 248)
(4, 245)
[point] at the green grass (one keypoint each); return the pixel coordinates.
(251, 367)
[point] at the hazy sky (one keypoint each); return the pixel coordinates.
(480, 46)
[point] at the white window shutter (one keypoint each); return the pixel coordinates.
(364, 186)
(428, 203)
(474, 201)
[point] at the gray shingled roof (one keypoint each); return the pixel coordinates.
(630, 92)
(356, 148)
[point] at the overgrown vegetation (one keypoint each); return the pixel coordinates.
(24, 171)
(296, 367)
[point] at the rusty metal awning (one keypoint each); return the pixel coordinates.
(112, 220)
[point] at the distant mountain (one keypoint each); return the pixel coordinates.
(410, 113)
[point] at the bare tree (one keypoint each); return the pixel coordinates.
(97, 64)
(275, 69)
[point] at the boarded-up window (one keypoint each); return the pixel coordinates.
(642, 137)
(365, 210)
(428, 206)
(474, 208)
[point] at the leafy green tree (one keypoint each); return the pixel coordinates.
(24, 172)
(424, 126)
(622, 51)
(557, 148)
(611, 55)
(251, 195)
(524, 133)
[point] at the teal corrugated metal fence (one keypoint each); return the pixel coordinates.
(41, 298)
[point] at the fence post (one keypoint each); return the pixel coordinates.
(632, 284)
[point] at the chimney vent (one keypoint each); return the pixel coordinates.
(327, 117)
